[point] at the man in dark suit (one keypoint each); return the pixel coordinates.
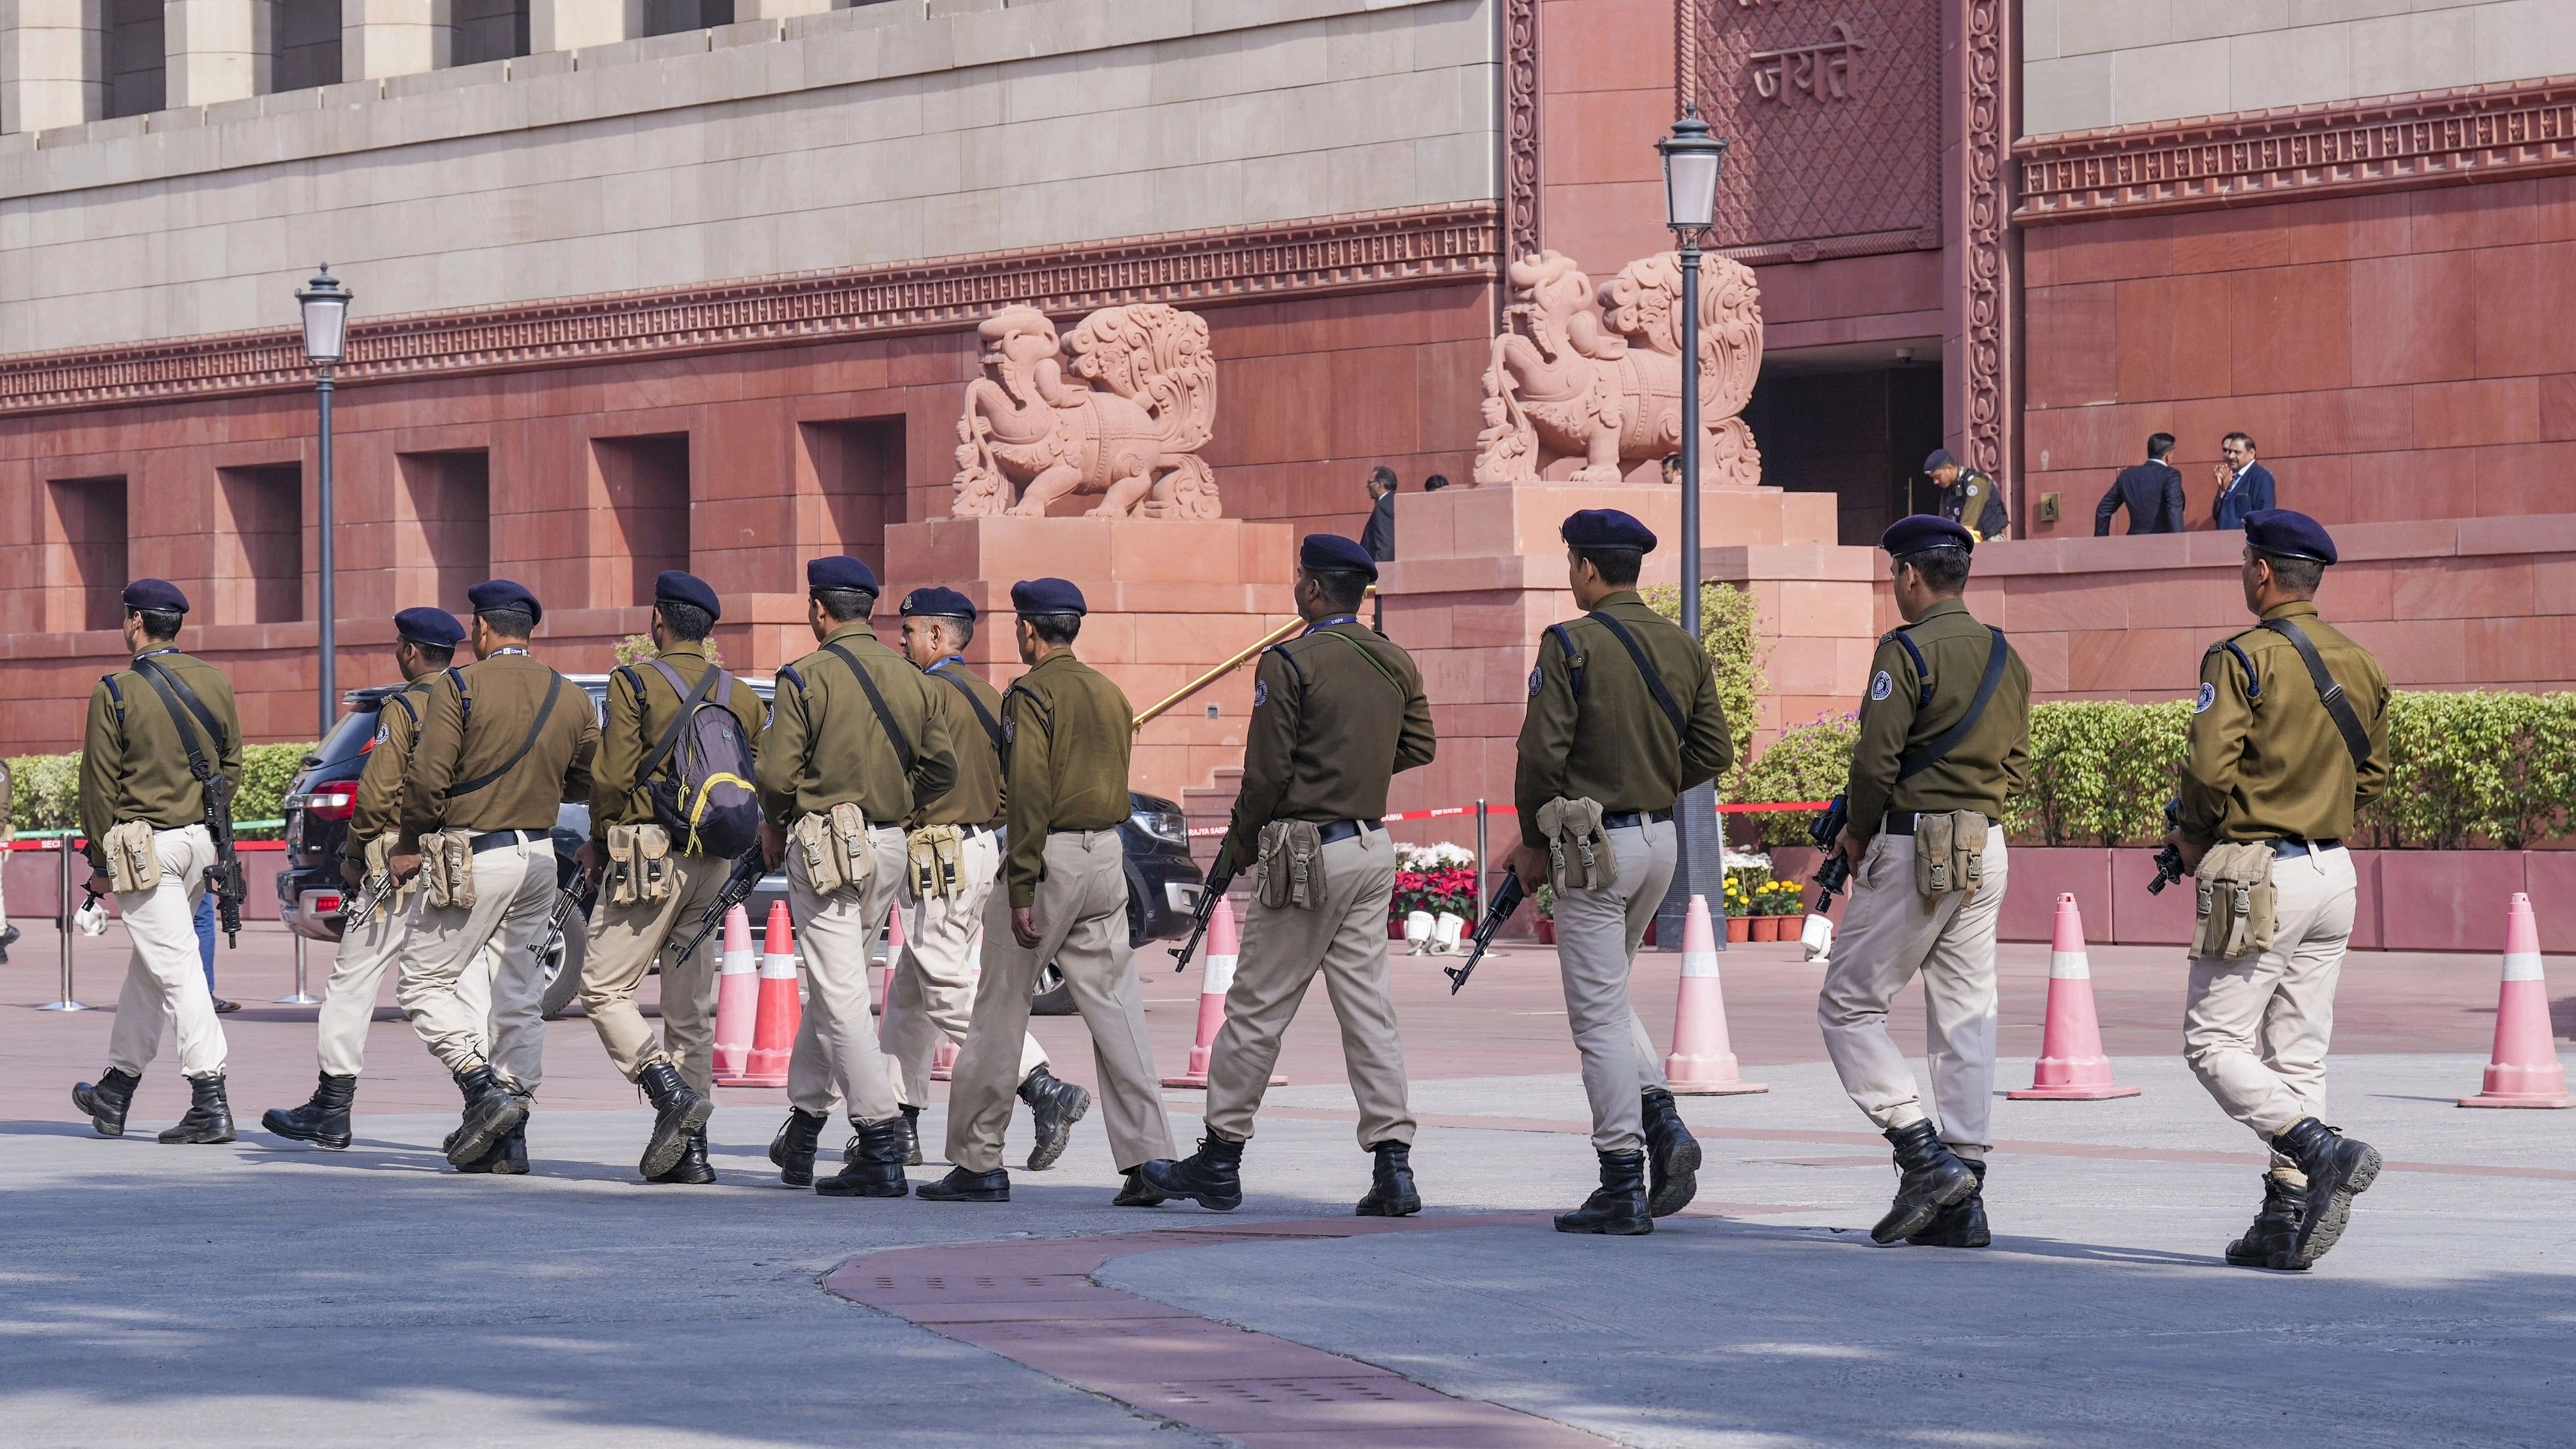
(2244, 485)
(2151, 491)
(1378, 536)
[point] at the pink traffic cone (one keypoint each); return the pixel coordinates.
(880, 976)
(1224, 948)
(2523, 1071)
(2071, 1066)
(737, 999)
(773, 1032)
(944, 1060)
(1702, 1063)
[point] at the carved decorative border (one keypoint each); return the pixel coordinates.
(1834, 248)
(1990, 346)
(2490, 132)
(1520, 127)
(1363, 252)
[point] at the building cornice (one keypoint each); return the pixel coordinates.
(1360, 252)
(2468, 133)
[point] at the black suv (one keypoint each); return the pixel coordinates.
(1162, 880)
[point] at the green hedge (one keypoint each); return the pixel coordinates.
(1810, 762)
(45, 789)
(1726, 619)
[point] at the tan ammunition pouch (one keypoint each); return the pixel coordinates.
(1578, 848)
(1289, 871)
(447, 868)
(938, 856)
(835, 849)
(2236, 902)
(133, 863)
(379, 849)
(640, 870)
(1949, 853)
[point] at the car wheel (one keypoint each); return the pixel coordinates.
(559, 966)
(1052, 997)
(1135, 919)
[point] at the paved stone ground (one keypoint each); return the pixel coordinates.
(265, 1293)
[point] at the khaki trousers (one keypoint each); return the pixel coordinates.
(1344, 937)
(358, 972)
(836, 1059)
(1082, 928)
(930, 994)
(165, 979)
(514, 894)
(1597, 934)
(2255, 1030)
(623, 942)
(1888, 937)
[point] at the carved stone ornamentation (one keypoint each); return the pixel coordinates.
(1598, 378)
(1119, 407)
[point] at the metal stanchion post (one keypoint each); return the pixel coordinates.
(67, 1002)
(301, 996)
(1483, 862)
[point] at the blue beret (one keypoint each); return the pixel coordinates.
(502, 594)
(436, 628)
(1332, 552)
(1047, 596)
(1606, 528)
(686, 588)
(155, 594)
(840, 571)
(1939, 460)
(2288, 533)
(937, 603)
(1916, 532)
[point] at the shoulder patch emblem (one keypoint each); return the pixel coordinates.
(1881, 686)
(1260, 693)
(2208, 697)
(1010, 727)
(384, 732)
(1534, 679)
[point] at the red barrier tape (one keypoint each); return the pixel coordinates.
(47, 845)
(1450, 810)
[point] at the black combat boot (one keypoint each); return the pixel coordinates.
(872, 1165)
(210, 1117)
(491, 1110)
(2339, 1169)
(911, 1135)
(677, 1113)
(692, 1169)
(1137, 1192)
(2276, 1226)
(324, 1121)
(793, 1148)
(8, 938)
(1212, 1177)
(1054, 1106)
(963, 1186)
(1391, 1193)
(1672, 1156)
(107, 1100)
(1619, 1206)
(1930, 1177)
(1963, 1223)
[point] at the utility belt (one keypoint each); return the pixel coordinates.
(1288, 859)
(834, 846)
(133, 861)
(1633, 819)
(447, 861)
(2290, 847)
(2236, 901)
(1949, 849)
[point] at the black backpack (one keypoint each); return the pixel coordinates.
(707, 801)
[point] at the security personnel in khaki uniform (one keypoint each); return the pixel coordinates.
(856, 743)
(2289, 738)
(144, 814)
(1969, 497)
(1623, 717)
(653, 884)
(1336, 712)
(425, 640)
(1944, 741)
(504, 743)
(8, 830)
(930, 992)
(1066, 732)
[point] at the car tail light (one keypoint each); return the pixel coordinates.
(330, 800)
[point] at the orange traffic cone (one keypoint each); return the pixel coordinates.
(2524, 1069)
(2071, 1066)
(737, 999)
(1224, 948)
(773, 1032)
(880, 976)
(1703, 1062)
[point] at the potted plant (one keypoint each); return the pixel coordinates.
(1543, 906)
(1432, 878)
(1739, 908)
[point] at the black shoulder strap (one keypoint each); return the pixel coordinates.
(1654, 681)
(1573, 661)
(1922, 670)
(2253, 681)
(464, 700)
(690, 699)
(885, 716)
(2355, 738)
(1915, 761)
(992, 726)
(410, 710)
(173, 690)
(554, 687)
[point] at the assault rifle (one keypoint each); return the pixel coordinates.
(573, 905)
(1835, 874)
(1507, 899)
(371, 895)
(1220, 878)
(2168, 860)
(748, 868)
(225, 879)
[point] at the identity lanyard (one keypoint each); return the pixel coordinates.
(150, 653)
(1328, 623)
(951, 659)
(497, 653)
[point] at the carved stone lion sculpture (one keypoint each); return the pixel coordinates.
(1118, 407)
(1599, 377)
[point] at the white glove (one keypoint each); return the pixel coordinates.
(90, 919)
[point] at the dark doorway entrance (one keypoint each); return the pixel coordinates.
(1857, 432)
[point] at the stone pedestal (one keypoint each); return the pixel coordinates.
(1168, 600)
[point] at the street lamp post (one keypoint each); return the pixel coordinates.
(325, 307)
(1692, 160)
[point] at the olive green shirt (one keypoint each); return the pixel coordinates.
(825, 745)
(976, 798)
(2266, 761)
(1613, 744)
(1066, 732)
(378, 809)
(632, 726)
(1336, 713)
(459, 744)
(133, 766)
(1984, 771)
